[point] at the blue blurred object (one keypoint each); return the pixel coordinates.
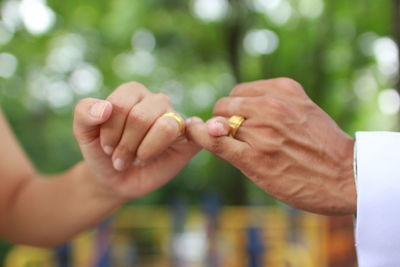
(255, 247)
(294, 228)
(63, 255)
(211, 208)
(103, 244)
(178, 217)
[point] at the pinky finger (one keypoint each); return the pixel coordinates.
(162, 134)
(218, 126)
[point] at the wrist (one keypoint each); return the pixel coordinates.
(347, 175)
(96, 188)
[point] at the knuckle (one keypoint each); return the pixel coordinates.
(281, 111)
(274, 104)
(123, 151)
(138, 115)
(163, 98)
(168, 126)
(82, 104)
(222, 104)
(133, 86)
(115, 98)
(265, 82)
(118, 107)
(239, 89)
(289, 85)
(127, 88)
(286, 82)
(222, 101)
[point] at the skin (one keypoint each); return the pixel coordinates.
(288, 146)
(38, 211)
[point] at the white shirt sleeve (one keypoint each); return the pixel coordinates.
(378, 199)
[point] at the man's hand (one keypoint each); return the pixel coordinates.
(288, 146)
(128, 145)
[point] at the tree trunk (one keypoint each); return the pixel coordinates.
(234, 34)
(396, 35)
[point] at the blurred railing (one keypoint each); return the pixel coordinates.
(177, 236)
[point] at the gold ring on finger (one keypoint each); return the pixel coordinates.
(234, 123)
(179, 120)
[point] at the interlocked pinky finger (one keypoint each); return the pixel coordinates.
(164, 132)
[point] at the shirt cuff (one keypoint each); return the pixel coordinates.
(378, 198)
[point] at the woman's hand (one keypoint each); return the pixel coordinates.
(128, 145)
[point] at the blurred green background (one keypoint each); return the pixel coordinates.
(52, 53)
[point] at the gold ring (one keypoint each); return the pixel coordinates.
(234, 123)
(178, 119)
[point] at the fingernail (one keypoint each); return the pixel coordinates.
(97, 110)
(119, 164)
(108, 150)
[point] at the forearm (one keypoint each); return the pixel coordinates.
(47, 212)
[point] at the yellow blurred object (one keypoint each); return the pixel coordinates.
(83, 242)
(23, 256)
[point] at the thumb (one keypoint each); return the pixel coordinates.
(89, 114)
(225, 147)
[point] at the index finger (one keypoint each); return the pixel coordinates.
(229, 106)
(277, 87)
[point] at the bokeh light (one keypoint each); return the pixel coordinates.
(191, 246)
(365, 86)
(143, 40)
(261, 42)
(277, 11)
(38, 18)
(203, 96)
(366, 43)
(66, 53)
(59, 94)
(8, 65)
(140, 63)
(10, 12)
(174, 90)
(210, 10)
(311, 8)
(387, 56)
(5, 34)
(389, 101)
(86, 79)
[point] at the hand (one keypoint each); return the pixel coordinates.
(128, 145)
(288, 146)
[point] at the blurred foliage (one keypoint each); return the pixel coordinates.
(195, 51)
